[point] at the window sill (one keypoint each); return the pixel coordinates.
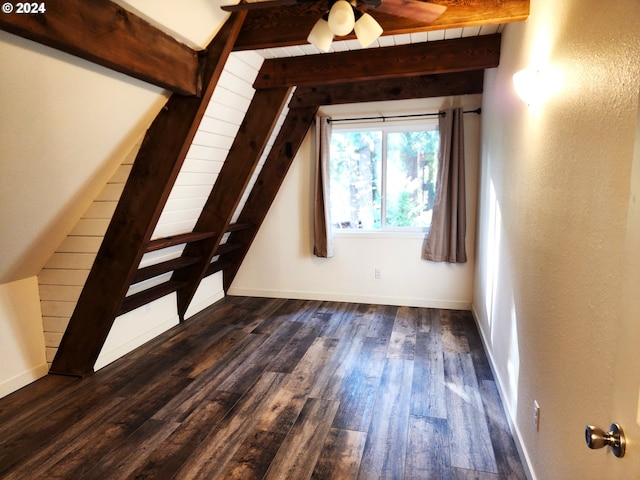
(373, 235)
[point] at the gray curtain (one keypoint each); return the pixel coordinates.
(322, 241)
(446, 239)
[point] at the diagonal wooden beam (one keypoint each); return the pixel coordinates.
(445, 56)
(107, 34)
(424, 86)
(243, 157)
(303, 107)
(290, 25)
(269, 180)
(151, 179)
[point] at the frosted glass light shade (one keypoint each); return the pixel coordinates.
(367, 30)
(536, 85)
(341, 18)
(528, 85)
(321, 35)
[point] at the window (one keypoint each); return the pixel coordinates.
(382, 177)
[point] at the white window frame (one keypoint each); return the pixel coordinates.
(386, 126)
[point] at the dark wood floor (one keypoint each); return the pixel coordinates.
(274, 389)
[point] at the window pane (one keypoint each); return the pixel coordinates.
(355, 179)
(411, 178)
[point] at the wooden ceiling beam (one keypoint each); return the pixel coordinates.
(290, 25)
(107, 34)
(425, 86)
(445, 56)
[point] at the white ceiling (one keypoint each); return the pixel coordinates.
(384, 41)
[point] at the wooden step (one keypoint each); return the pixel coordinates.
(163, 267)
(218, 266)
(165, 242)
(149, 295)
(227, 248)
(234, 227)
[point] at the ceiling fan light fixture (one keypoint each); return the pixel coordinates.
(321, 35)
(367, 30)
(341, 18)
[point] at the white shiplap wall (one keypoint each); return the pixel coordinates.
(211, 144)
(63, 277)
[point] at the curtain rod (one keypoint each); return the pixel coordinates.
(477, 111)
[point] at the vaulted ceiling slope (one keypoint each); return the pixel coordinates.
(425, 69)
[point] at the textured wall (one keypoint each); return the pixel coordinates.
(22, 358)
(555, 191)
(280, 262)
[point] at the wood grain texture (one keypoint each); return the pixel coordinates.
(148, 186)
(226, 194)
(428, 449)
(290, 25)
(423, 86)
(301, 448)
(444, 56)
(471, 446)
(107, 34)
(428, 397)
(386, 446)
(276, 165)
(340, 455)
(255, 388)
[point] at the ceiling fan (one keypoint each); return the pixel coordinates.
(343, 16)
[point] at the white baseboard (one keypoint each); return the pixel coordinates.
(23, 379)
(513, 426)
(352, 298)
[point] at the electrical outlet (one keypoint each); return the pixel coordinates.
(536, 415)
(377, 274)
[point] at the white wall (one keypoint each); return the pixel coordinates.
(63, 277)
(22, 357)
(205, 158)
(67, 126)
(280, 262)
(555, 296)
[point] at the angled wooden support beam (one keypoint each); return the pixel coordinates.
(269, 180)
(445, 56)
(107, 34)
(151, 179)
(303, 108)
(290, 25)
(424, 86)
(243, 157)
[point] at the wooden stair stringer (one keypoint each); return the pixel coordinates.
(274, 170)
(153, 175)
(302, 109)
(247, 148)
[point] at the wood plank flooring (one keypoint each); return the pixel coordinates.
(258, 388)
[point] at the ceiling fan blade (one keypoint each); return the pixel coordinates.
(414, 9)
(242, 6)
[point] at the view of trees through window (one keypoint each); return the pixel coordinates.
(384, 178)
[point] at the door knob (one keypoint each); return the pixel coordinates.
(597, 438)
